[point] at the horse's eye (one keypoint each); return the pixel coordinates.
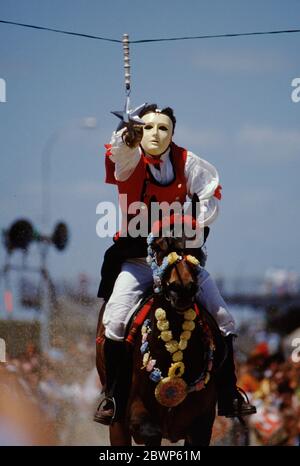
(193, 288)
(174, 287)
(160, 245)
(178, 243)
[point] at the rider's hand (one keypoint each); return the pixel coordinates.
(133, 135)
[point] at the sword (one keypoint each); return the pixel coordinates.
(129, 117)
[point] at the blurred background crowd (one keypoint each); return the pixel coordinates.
(48, 397)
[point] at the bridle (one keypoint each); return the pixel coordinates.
(174, 291)
(162, 266)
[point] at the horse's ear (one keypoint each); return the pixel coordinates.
(206, 233)
(152, 199)
(195, 200)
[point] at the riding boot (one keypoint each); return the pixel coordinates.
(232, 400)
(117, 360)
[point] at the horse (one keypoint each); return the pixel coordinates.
(173, 391)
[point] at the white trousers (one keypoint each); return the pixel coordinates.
(135, 277)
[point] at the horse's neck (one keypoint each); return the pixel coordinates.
(174, 318)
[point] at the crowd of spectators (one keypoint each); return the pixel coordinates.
(59, 384)
(273, 384)
(62, 386)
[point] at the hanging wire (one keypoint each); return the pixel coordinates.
(141, 41)
(211, 36)
(88, 36)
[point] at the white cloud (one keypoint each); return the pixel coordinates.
(88, 189)
(258, 196)
(263, 143)
(79, 190)
(208, 137)
(269, 143)
(248, 61)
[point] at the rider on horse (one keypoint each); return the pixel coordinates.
(145, 163)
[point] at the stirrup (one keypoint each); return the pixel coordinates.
(238, 409)
(243, 393)
(102, 419)
(240, 406)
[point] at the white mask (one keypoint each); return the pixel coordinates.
(157, 133)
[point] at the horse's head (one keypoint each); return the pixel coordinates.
(174, 269)
(180, 283)
(175, 272)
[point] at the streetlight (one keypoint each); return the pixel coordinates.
(19, 237)
(88, 123)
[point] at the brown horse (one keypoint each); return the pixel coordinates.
(171, 397)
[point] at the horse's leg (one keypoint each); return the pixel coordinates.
(153, 441)
(100, 333)
(100, 364)
(144, 429)
(119, 434)
(201, 430)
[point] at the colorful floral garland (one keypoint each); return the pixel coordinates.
(172, 390)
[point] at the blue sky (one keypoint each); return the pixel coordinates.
(232, 100)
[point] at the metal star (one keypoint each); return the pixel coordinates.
(128, 116)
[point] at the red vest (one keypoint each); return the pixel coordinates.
(141, 185)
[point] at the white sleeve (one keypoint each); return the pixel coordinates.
(202, 179)
(124, 157)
